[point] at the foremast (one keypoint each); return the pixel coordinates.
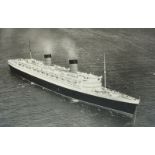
(105, 78)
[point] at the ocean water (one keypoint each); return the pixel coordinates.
(130, 59)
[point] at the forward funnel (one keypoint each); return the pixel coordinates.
(73, 65)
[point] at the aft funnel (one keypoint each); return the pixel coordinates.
(47, 59)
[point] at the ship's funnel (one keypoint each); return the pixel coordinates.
(73, 65)
(47, 59)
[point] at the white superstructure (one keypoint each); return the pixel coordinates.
(78, 81)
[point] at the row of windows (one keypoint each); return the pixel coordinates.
(68, 81)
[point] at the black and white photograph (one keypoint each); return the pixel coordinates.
(77, 77)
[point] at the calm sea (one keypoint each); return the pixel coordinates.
(130, 59)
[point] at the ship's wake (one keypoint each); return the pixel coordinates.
(73, 100)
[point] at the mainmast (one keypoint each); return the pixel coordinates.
(105, 82)
(30, 50)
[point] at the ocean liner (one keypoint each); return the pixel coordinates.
(73, 83)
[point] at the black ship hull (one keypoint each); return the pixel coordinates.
(122, 107)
